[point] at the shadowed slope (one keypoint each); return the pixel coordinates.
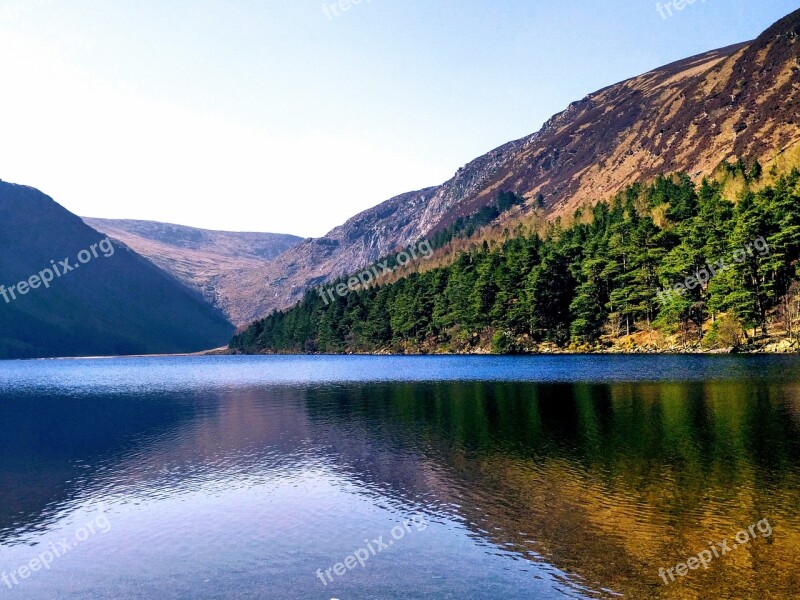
(116, 304)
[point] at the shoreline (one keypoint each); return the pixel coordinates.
(795, 350)
(482, 346)
(723, 352)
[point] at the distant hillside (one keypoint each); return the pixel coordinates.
(113, 303)
(691, 116)
(199, 257)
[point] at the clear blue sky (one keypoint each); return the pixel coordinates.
(269, 115)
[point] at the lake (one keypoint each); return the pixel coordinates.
(362, 478)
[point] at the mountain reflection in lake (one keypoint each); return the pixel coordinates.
(242, 477)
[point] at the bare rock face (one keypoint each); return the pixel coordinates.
(687, 116)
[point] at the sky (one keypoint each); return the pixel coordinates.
(291, 116)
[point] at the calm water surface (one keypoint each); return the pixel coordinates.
(539, 477)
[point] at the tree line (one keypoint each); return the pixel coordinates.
(581, 284)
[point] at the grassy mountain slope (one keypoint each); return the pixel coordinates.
(688, 116)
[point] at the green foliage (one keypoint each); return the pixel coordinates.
(466, 226)
(740, 169)
(724, 333)
(576, 284)
(504, 342)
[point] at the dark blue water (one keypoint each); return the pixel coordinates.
(467, 477)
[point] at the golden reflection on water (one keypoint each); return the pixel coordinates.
(611, 483)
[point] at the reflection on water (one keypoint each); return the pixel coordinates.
(533, 489)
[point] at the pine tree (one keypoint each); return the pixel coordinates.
(752, 288)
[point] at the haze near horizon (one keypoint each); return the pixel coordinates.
(291, 117)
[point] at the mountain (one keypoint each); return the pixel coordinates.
(199, 257)
(84, 295)
(364, 238)
(741, 101)
(692, 116)
(670, 266)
